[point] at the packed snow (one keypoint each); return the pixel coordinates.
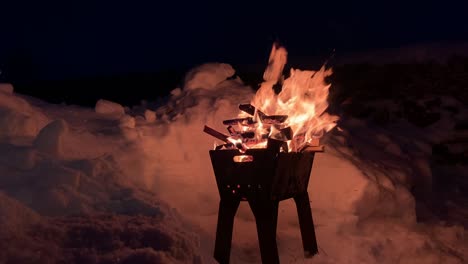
(133, 185)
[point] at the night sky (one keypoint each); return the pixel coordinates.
(66, 39)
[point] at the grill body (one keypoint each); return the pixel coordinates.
(266, 179)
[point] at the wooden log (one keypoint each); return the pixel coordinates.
(273, 119)
(269, 119)
(287, 132)
(210, 131)
(247, 108)
(242, 121)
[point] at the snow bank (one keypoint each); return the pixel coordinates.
(26, 237)
(14, 216)
(120, 181)
(50, 138)
(18, 118)
(6, 88)
(208, 76)
(70, 168)
(18, 157)
(109, 108)
(150, 116)
(126, 121)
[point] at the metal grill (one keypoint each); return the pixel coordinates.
(263, 178)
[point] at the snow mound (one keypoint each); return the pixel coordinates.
(50, 138)
(18, 157)
(127, 121)
(18, 118)
(6, 88)
(26, 237)
(110, 109)
(150, 116)
(126, 186)
(14, 216)
(208, 76)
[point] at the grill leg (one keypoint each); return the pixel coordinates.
(226, 214)
(306, 224)
(266, 218)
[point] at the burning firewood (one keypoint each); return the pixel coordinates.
(249, 134)
(308, 147)
(273, 119)
(287, 132)
(224, 146)
(210, 131)
(268, 119)
(277, 145)
(242, 121)
(237, 142)
(247, 108)
(232, 131)
(252, 134)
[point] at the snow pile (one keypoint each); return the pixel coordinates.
(17, 117)
(127, 121)
(150, 116)
(142, 190)
(208, 76)
(14, 216)
(27, 237)
(68, 167)
(110, 109)
(50, 138)
(6, 88)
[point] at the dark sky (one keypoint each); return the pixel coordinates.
(75, 38)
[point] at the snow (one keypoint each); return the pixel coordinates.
(50, 138)
(81, 187)
(127, 121)
(14, 216)
(109, 108)
(150, 116)
(18, 118)
(208, 76)
(6, 88)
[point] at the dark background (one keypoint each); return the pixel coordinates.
(78, 51)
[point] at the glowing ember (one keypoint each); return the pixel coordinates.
(243, 158)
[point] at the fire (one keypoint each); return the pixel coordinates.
(303, 98)
(294, 118)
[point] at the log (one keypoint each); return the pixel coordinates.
(242, 121)
(287, 132)
(232, 131)
(273, 119)
(210, 131)
(276, 145)
(248, 108)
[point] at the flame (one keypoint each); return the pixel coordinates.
(303, 99)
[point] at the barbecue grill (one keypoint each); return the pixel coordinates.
(263, 178)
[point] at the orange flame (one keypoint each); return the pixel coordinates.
(303, 99)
